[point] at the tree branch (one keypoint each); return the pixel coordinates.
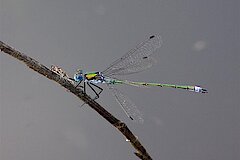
(41, 69)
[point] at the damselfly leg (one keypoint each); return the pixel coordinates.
(97, 93)
(93, 89)
(79, 84)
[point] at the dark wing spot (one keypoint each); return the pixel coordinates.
(145, 57)
(152, 37)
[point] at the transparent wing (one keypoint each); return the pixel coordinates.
(136, 60)
(127, 105)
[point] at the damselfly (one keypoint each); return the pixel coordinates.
(136, 60)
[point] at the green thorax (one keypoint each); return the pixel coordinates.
(91, 75)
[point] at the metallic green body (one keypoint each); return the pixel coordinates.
(91, 75)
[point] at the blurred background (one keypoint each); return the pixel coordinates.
(39, 120)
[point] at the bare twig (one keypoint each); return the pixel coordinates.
(38, 67)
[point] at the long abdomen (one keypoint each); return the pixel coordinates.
(186, 87)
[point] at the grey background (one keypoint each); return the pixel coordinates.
(41, 121)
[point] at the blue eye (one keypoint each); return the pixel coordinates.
(78, 77)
